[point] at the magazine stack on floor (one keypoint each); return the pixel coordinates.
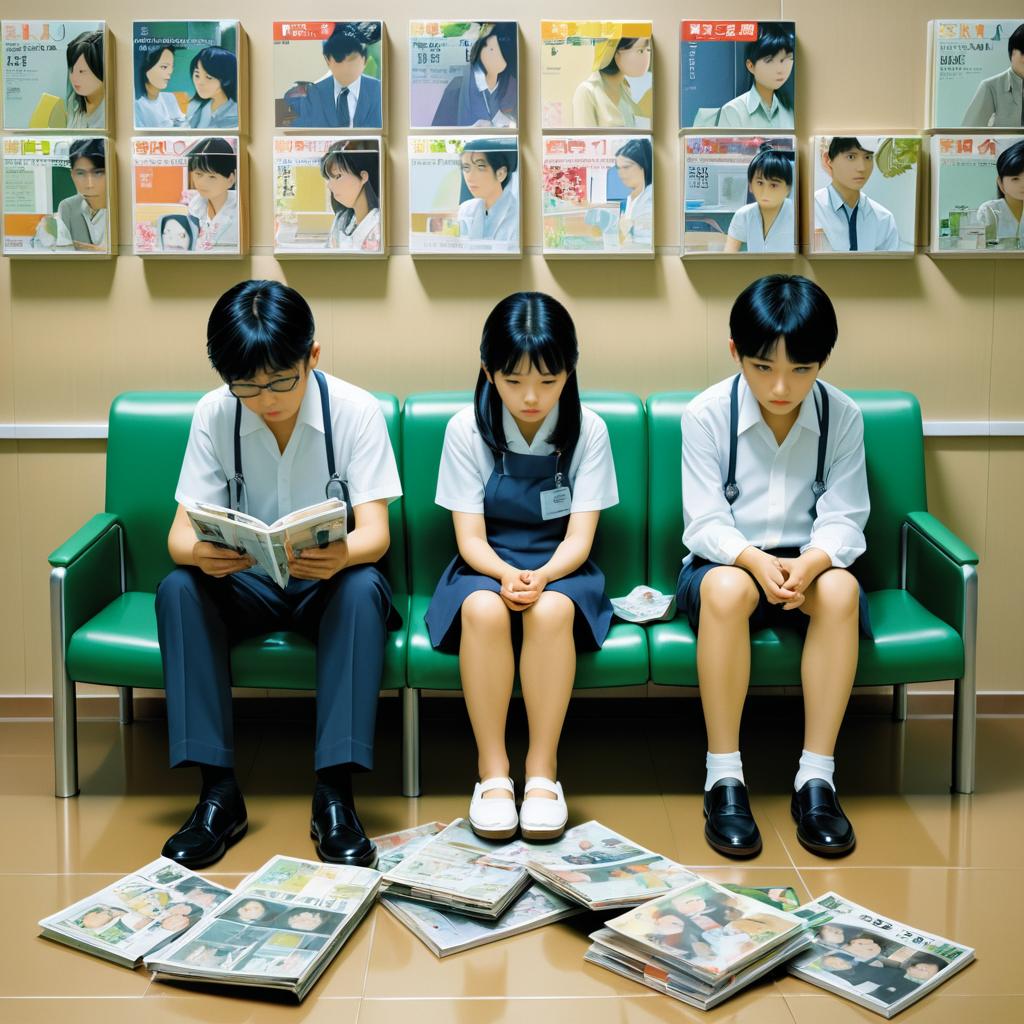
(282, 927)
(701, 943)
(456, 870)
(873, 960)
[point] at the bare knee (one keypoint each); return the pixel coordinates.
(551, 611)
(484, 611)
(728, 592)
(835, 592)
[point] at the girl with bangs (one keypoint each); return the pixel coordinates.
(525, 471)
(353, 180)
(213, 175)
(214, 73)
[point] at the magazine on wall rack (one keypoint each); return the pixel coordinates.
(874, 960)
(285, 923)
(598, 868)
(134, 917)
(459, 871)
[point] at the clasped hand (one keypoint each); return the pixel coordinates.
(521, 587)
(785, 580)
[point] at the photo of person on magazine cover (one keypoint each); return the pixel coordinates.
(213, 175)
(605, 98)
(768, 103)
(768, 223)
(82, 218)
(1004, 225)
(999, 100)
(155, 105)
(86, 100)
(491, 210)
(352, 175)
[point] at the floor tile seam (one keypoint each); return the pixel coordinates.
(507, 998)
(369, 952)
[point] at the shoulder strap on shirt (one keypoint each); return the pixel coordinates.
(818, 487)
(730, 490)
(237, 483)
(336, 487)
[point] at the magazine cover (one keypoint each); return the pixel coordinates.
(739, 194)
(708, 930)
(976, 68)
(187, 75)
(328, 194)
(977, 194)
(781, 897)
(865, 195)
(598, 195)
(595, 866)
(54, 75)
(57, 198)
(464, 74)
(186, 198)
(874, 960)
(464, 196)
(737, 75)
(281, 928)
(458, 869)
(394, 847)
(596, 74)
(138, 914)
(445, 932)
(328, 74)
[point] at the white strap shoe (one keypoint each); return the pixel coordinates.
(540, 818)
(493, 818)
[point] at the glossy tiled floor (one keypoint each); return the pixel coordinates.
(949, 864)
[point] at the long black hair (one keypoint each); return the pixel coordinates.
(90, 46)
(220, 64)
(1009, 164)
(355, 161)
(147, 58)
(625, 43)
(534, 327)
(505, 33)
(772, 164)
(257, 326)
(641, 153)
(94, 150)
(772, 36)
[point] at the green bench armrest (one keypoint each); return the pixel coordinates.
(938, 564)
(86, 573)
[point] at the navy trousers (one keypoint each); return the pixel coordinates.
(200, 618)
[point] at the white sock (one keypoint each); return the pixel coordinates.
(814, 766)
(723, 766)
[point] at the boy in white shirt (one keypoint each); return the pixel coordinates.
(775, 501)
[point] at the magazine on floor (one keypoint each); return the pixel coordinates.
(781, 897)
(458, 870)
(598, 868)
(706, 932)
(446, 932)
(281, 928)
(316, 526)
(873, 960)
(138, 914)
(394, 847)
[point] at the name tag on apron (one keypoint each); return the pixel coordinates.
(556, 503)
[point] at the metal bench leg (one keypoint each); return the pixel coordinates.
(125, 706)
(899, 703)
(410, 742)
(65, 724)
(965, 708)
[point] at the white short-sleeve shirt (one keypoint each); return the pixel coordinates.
(277, 482)
(998, 212)
(747, 226)
(467, 462)
(876, 226)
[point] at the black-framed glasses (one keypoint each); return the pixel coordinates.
(278, 384)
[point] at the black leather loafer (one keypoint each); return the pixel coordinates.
(339, 834)
(730, 827)
(821, 825)
(212, 827)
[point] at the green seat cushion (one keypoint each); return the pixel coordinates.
(622, 661)
(911, 646)
(119, 647)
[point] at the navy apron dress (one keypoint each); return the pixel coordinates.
(520, 535)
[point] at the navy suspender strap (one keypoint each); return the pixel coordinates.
(730, 489)
(336, 487)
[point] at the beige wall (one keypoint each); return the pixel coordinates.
(71, 337)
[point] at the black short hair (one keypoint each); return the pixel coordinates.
(146, 58)
(505, 33)
(220, 64)
(90, 46)
(772, 36)
(640, 152)
(214, 156)
(786, 307)
(1009, 164)
(625, 43)
(1016, 41)
(497, 153)
(351, 37)
(843, 144)
(772, 164)
(258, 326)
(94, 150)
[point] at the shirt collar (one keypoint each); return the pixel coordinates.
(310, 412)
(750, 411)
(837, 200)
(480, 80)
(514, 436)
(499, 208)
(353, 89)
(1014, 83)
(753, 100)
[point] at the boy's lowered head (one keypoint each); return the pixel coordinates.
(782, 329)
(849, 164)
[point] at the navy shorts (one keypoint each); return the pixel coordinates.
(765, 615)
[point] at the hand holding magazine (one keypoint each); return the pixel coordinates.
(315, 526)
